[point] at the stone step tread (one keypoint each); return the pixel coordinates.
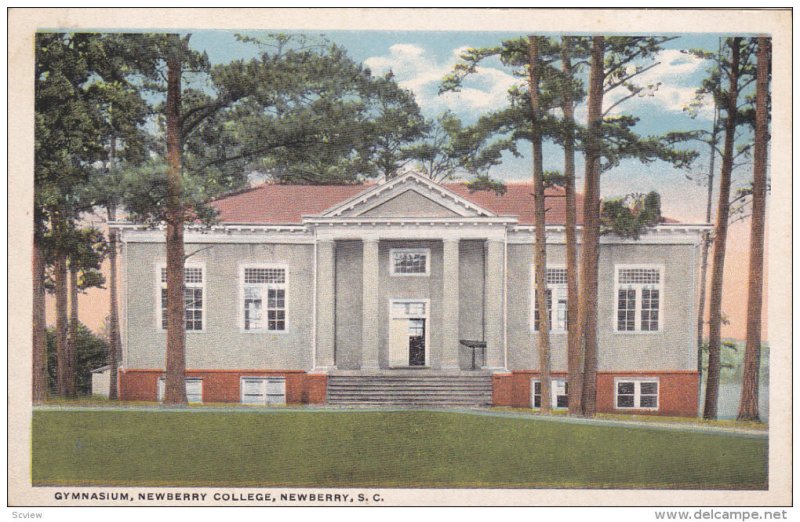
(414, 376)
(421, 382)
(409, 403)
(401, 401)
(432, 384)
(412, 393)
(406, 383)
(411, 390)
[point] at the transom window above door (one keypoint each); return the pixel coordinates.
(409, 261)
(401, 309)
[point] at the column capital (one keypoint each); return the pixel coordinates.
(451, 240)
(370, 239)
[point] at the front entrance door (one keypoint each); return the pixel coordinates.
(408, 334)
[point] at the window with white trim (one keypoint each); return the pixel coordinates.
(194, 390)
(410, 261)
(556, 279)
(639, 297)
(193, 297)
(264, 298)
(558, 393)
(641, 394)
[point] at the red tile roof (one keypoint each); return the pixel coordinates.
(518, 202)
(282, 204)
(286, 204)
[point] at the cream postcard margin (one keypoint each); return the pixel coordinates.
(22, 24)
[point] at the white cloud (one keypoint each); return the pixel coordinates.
(674, 82)
(415, 69)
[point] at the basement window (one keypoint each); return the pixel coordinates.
(638, 394)
(194, 390)
(263, 390)
(558, 393)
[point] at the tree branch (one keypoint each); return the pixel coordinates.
(612, 86)
(187, 256)
(624, 98)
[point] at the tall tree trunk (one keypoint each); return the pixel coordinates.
(114, 340)
(72, 343)
(39, 376)
(701, 302)
(574, 355)
(62, 324)
(587, 311)
(175, 388)
(701, 305)
(540, 248)
(748, 405)
(720, 239)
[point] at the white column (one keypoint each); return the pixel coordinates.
(326, 305)
(450, 305)
(370, 341)
(495, 351)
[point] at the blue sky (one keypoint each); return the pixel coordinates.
(419, 60)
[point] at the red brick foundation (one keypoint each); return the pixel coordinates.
(677, 391)
(223, 385)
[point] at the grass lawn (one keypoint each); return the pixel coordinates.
(390, 449)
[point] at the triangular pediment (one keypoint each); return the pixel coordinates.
(409, 195)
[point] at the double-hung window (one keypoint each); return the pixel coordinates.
(410, 261)
(193, 297)
(264, 298)
(639, 297)
(556, 279)
(640, 394)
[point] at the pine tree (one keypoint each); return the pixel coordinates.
(736, 69)
(540, 247)
(748, 406)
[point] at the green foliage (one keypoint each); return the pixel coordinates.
(626, 58)
(66, 139)
(714, 85)
(452, 147)
(630, 216)
(299, 113)
(92, 353)
(732, 361)
(484, 182)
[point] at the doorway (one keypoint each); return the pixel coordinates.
(408, 334)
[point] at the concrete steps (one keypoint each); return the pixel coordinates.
(385, 390)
